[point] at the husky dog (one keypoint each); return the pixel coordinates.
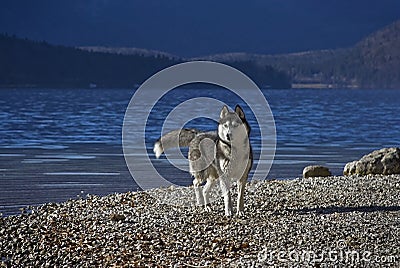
(224, 155)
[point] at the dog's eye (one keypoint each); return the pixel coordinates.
(235, 124)
(226, 125)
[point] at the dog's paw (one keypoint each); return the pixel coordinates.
(240, 213)
(208, 208)
(228, 213)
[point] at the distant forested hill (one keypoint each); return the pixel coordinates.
(28, 63)
(25, 63)
(376, 59)
(374, 62)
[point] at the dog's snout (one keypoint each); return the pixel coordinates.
(228, 137)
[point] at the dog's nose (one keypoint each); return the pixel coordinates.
(228, 137)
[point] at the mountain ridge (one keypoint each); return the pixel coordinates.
(27, 63)
(373, 62)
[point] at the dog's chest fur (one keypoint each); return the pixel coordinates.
(229, 159)
(223, 156)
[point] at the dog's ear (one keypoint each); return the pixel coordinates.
(239, 112)
(224, 112)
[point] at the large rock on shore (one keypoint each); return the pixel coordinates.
(384, 161)
(316, 171)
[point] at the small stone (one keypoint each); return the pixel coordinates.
(117, 217)
(316, 171)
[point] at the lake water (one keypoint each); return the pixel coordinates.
(59, 144)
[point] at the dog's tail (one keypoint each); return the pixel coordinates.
(175, 138)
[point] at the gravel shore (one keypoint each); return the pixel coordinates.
(314, 222)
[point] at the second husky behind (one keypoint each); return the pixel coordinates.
(224, 155)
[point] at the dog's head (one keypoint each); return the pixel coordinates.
(233, 126)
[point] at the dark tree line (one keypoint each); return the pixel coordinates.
(29, 63)
(263, 75)
(25, 62)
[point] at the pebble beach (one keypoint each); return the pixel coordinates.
(339, 221)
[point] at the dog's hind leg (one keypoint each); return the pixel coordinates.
(206, 192)
(241, 185)
(198, 191)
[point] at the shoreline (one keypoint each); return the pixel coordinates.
(315, 215)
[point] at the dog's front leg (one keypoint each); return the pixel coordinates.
(241, 185)
(206, 193)
(228, 204)
(225, 188)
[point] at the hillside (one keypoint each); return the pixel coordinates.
(264, 75)
(26, 63)
(374, 62)
(306, 69)
(377, 58)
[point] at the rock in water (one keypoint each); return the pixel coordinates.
(384, 161)
(316, 171)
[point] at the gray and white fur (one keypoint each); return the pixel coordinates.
(224, 155)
